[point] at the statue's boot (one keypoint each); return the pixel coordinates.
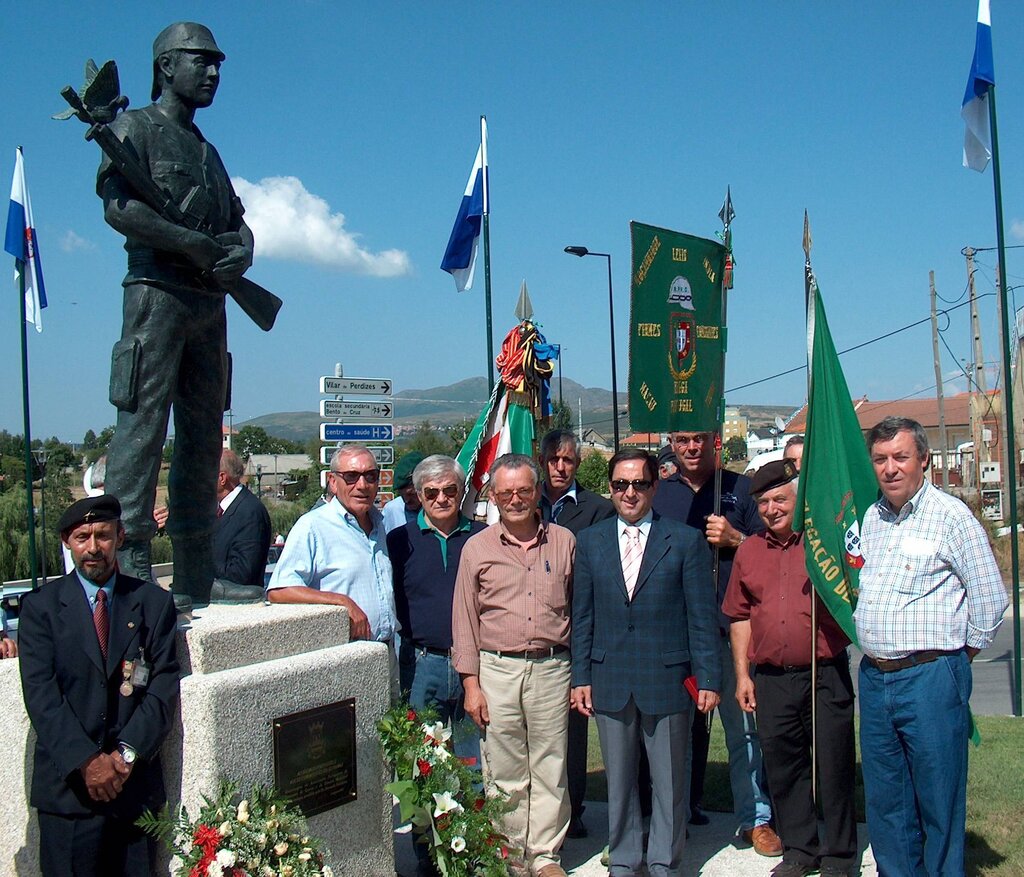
(193, 568)
(134, 558)
(228, 592)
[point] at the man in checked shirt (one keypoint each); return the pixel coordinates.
(931, 597)
(510, 644)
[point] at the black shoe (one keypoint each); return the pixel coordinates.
(576, 829)
(836, 871)
(698, 817)
(792, 869)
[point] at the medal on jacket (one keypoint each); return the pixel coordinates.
(127, 688)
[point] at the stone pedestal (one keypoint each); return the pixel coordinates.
(242, 667)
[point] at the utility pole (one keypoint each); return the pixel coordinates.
(978, 375)
(943, 439)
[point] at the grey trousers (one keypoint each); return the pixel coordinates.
(667, 741)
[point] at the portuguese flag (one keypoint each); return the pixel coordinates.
(837, 481)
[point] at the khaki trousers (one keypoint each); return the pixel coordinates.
(523, 750)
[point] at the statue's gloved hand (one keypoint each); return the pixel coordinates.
(236, 260)
(204, 251)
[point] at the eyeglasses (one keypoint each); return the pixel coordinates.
(685, 440)
(640, 485)
(432, 493)
(504, 496)
(372, 476)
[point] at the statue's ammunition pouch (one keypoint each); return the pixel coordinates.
(124, 370)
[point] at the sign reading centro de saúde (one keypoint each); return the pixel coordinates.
(676, 336)
(356, 432)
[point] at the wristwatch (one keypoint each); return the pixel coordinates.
(128, 755)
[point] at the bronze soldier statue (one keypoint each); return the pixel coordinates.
(173, 346)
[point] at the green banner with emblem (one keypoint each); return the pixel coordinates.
(676, 336)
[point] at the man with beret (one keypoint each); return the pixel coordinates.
(100, 679)
(769, 601)
(404, 508)
(173, 345)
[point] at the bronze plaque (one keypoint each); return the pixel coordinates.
(315, 756)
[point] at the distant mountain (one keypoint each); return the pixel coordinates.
(451, 404)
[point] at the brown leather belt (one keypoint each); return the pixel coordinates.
(531, 654)
(886, 665)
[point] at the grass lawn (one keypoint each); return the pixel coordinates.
(995, 793)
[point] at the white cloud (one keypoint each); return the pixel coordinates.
(290, 223)
(71, 242)
(1017, 229)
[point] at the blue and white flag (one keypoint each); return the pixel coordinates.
(978, 136)
(460, 256)
(21, 243)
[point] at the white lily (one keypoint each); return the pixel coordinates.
(445, 803)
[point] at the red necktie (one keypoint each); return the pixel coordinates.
(101, 618)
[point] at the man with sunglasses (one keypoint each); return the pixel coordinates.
(425, 556)
(689, 496)
(510, 633)
(644, 622)
(565, 502)
(336, 553)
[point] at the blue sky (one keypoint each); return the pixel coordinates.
(599, 113)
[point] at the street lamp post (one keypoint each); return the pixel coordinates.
(259, 480)
(41, 455)
(581, 252)
(560, 350)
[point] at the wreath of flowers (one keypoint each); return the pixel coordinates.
(259, 836)
(442, 798)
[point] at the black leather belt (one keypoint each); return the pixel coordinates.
(891, 665)
(531, 654)
(430, 650)
(777, 669)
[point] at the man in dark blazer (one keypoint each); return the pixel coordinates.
(241, 540)
(644, 621)
(100, 679)
(569, 505)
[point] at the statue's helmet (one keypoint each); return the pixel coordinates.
(182, 35)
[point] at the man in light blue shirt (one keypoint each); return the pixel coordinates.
(337, 554)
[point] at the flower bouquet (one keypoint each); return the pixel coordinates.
(259, 836)
(442, 798)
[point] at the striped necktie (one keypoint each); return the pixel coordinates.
(631, 559)
(101, 618)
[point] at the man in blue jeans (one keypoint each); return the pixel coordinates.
(688, 496)
(425, 558)
(931, 597)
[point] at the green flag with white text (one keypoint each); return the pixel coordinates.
(837, 480)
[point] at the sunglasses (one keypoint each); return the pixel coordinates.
(432, 493)
(640, 485)
(504, 496)
(372, 476)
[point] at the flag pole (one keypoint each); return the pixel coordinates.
(1011, 438)
(814, 596)
(487, 256)
(30, 505)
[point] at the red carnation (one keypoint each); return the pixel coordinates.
(478, 804)
(411, 715)
(424, 767)
(206, 836)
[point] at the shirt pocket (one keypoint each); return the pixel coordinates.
(917, 560)
(554, 592)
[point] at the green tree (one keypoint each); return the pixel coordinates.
(89, 440)
(428, 440)
(253, 440)
(561, 416)
(593, 472)
(735, 448)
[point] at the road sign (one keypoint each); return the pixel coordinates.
(358, 386)
(383, 498)
(384, 454)
(336, 408)
(356, 432)
(387, 477)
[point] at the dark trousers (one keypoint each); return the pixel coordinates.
(576, 761)
(784, 722)
(92, 846)
(700, 742)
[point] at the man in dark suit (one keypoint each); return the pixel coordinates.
(242, 537)
(644, 620)
(100, 679)
(569, 505)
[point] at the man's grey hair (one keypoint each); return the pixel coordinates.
(515, 461)
(348, 451)
(231, 465)
(435, 467)
(555, 438)
(888, 428)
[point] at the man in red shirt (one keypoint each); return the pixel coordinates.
(769, 602)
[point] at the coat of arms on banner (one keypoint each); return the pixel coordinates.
(682, 355)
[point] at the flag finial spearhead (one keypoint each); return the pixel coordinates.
(524, 307)
(807, 236)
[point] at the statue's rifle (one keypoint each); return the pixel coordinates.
(259, 304)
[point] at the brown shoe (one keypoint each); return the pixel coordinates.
(764, 840)
(552, 870)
